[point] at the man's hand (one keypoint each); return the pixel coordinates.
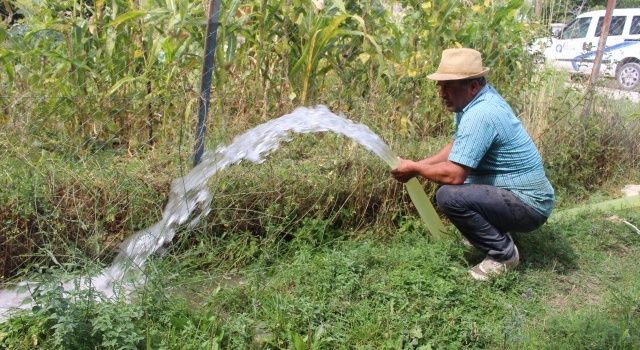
(405, 171)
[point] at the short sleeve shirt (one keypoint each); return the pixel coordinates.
(491, 141)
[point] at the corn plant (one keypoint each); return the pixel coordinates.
(125, 72)
(106, 62)
(322, 40)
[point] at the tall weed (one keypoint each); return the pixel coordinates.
(582, 153)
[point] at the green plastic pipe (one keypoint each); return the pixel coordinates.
(610, 205)
(425, 209)
(422, 203)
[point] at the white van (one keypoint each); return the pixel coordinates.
(575, 47)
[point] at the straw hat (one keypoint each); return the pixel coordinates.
(458, 64)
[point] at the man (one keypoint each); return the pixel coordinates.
(492, 177)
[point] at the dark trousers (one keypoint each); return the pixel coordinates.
(484, 214)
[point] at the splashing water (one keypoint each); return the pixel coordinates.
(190, 192)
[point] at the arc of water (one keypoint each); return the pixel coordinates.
(190, 192)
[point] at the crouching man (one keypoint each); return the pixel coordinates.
(492, 177)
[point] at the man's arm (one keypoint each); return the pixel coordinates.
(436, 168)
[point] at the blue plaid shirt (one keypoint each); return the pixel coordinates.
(491, 141)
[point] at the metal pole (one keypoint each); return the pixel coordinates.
(611, 4)
(207, 71)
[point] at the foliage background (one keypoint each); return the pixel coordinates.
(97, 113)
(89, 83)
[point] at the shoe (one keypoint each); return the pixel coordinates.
(490, 267)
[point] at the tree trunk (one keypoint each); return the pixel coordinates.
(539, 7)
(586, 112)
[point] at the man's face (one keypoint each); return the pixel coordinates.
(456, 94)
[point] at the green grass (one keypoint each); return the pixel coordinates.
(577, 288)
(315, 248)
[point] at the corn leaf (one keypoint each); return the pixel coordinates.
(121, 82)
(127, 16)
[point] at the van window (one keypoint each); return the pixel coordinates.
(577, 28)
(615, 28)
(635, 25)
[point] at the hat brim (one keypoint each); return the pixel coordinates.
(450, 76)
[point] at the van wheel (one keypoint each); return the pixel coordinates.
(628, 76)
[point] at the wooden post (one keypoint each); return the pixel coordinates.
(586, 112)
(538, 8)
